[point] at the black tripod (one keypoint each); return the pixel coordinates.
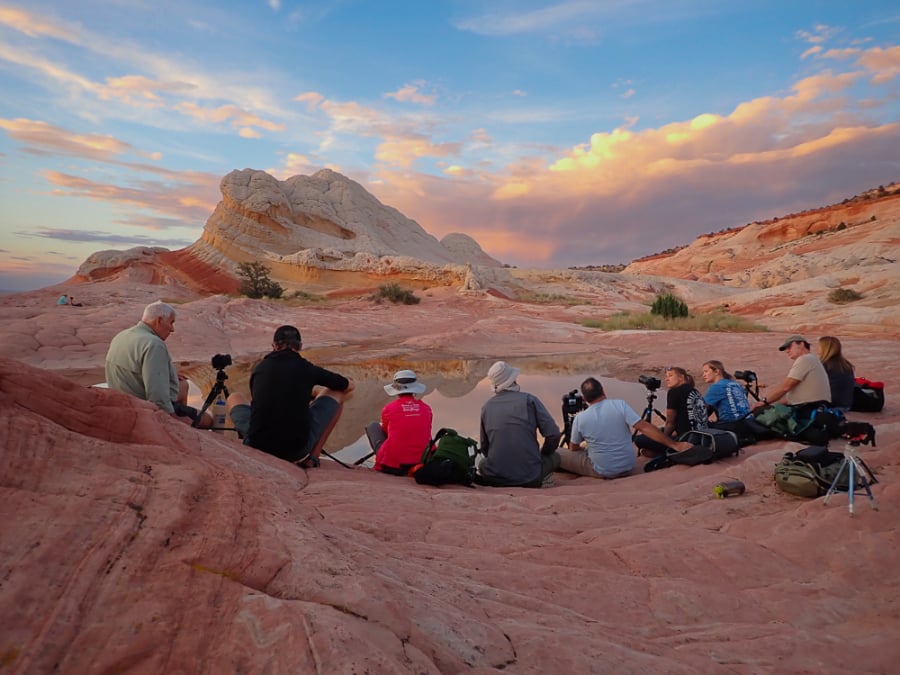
(649, 411)
(218, 388)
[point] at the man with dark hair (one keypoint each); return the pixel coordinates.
(807, 380)
(601, 445)
(138, 363)
(284, 418)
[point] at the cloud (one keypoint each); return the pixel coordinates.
(190, 201)
(409, 93)
(58, 140)
(518, 21)
(238, 118)
(629, 192)
(95, 236)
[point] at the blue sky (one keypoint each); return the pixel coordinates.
(556, 133)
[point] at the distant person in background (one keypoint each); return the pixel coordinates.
(806, 381)
(841, 378)
(405, 428)
(63, 300)
(510, 420)
(685, 411)
(73, 303)
(600, 445)
(725, 396)
(139, 364)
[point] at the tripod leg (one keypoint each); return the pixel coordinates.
(833, 488)
(851, 483)
(868, 488)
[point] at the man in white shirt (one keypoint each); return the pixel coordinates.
(605, 429)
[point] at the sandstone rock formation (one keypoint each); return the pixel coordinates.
(859, 236)
(325, 220)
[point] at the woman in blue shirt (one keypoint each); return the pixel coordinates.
(725, 396)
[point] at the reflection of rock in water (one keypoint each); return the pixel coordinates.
(455, 378)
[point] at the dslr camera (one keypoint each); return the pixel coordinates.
(652, 383)
(745, 375)
(573, 403)
(221, 361)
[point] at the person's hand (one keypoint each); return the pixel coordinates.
(680, 446)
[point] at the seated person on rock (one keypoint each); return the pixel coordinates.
(405, 428)
(685, 411)
(725, 396)
(138, 363)
(63, 300)
(806, 381)
(283, 417)
(841, 378)
(600, 444)
(510, 420)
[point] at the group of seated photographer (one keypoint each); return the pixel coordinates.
(138, 363)
(287, 416)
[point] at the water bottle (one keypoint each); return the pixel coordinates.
(729, 488)
(219, 411)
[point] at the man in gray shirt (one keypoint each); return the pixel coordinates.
(510, 420)
(138, 363)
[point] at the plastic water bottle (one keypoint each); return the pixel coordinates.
(729, 488)
(219, 411)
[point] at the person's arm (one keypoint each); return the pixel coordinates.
(778, 393)
(155, 370)
(644, 427)
(547, 426)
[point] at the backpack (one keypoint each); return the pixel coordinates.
(812, 471)
(817, 423)
(709, 445)
(868, 396)
(448, 458)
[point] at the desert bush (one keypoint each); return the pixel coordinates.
(549, 299)
(669, 306)
(256, 282)
(395, 294)
(713, 322)
(840, 296)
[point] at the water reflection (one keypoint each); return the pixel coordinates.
(456, 391)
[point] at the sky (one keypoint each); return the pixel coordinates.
(556, 133)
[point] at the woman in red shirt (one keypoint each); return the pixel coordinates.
(405, 428)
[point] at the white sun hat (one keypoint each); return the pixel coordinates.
(405, 382)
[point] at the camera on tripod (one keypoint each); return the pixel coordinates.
(745, 375)
(652, 383)
(573, 403)
(221, 361)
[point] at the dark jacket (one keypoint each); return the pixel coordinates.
(281, 388)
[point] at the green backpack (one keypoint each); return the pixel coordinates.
(448, 458)
(812, 471)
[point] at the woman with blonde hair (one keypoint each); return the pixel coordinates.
(725, 395)
(841, 377)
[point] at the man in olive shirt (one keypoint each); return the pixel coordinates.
(138, 363)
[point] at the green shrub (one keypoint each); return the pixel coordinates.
(669, 306)
(713, 322)
(255, 281)
(840, 296)
(395, 294)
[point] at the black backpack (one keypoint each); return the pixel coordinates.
(708, 446)
(868, 396)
